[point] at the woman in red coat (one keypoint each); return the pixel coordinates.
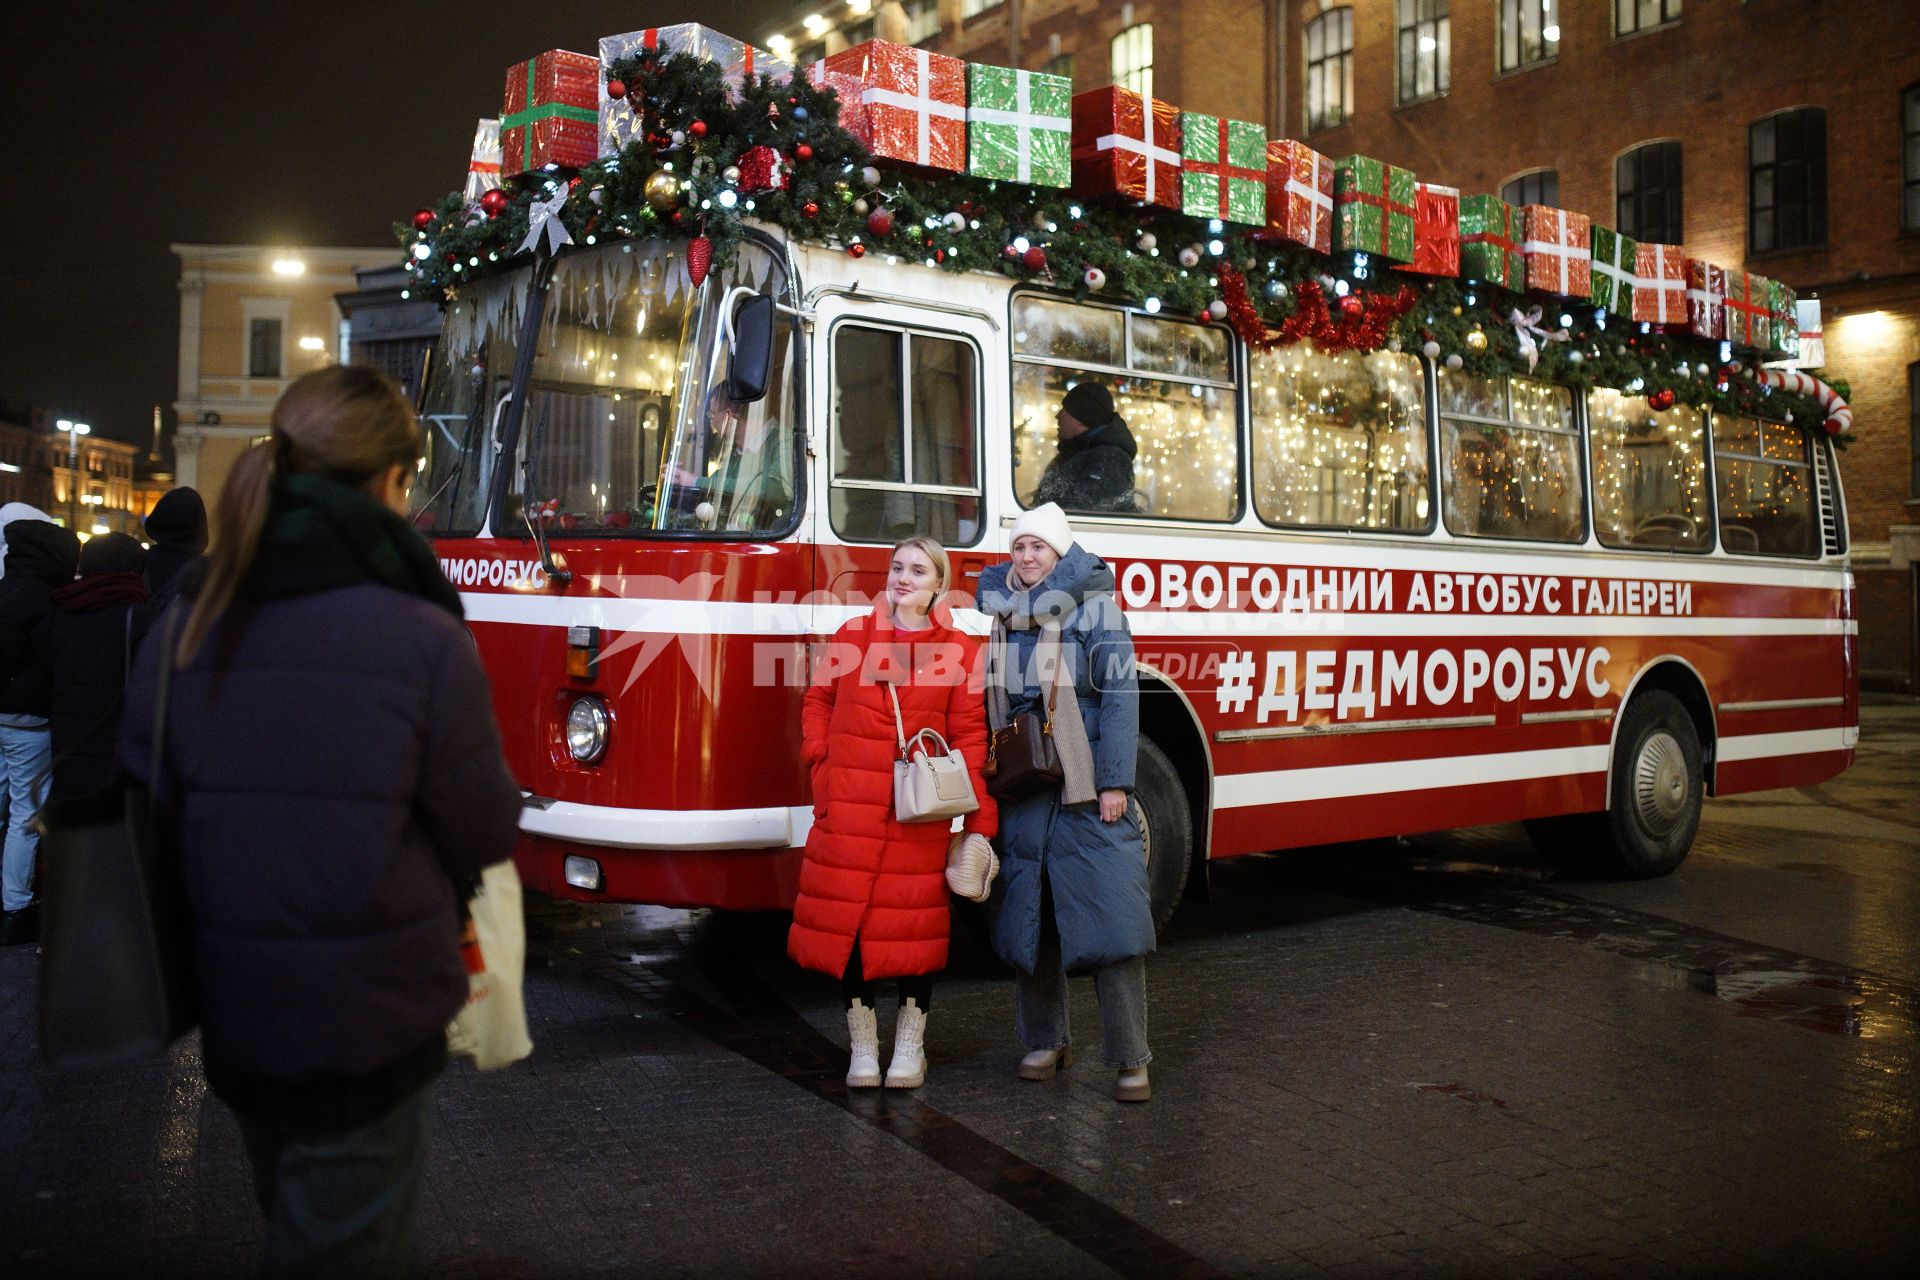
(873, 890)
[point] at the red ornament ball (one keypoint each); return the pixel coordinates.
(880, 222)
(811, 209)
(803, 152)
(1661, 400)
(698, 128)
(1034, 259)
(422, 219)
(856, 250)
(495, 202)
(616, 88)
(1351, 305)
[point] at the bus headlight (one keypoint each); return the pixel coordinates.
(587, 730)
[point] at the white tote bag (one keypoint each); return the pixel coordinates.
(929, 784)
(492, 1029)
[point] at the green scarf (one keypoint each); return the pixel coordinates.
(322, 534)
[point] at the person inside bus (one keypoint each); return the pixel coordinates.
(334, 779)
(1072, 893)
(1093, 470)
(873, 890)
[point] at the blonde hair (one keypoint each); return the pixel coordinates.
(934, 552)
(346, 422)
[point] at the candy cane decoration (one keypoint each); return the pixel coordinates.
(1794, 382)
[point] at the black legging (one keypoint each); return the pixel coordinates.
(855, 986)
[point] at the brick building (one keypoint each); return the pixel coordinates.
(1778, 135)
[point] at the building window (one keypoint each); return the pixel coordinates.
(1133, 59)
(1426, 48)
(1329, 69)
(974, 8)
(1542, 186)
(923, 19)
(1913, 424)
(1787, 181)
(1529, 32)
(263, 348)
(1633, 16)
(810, 54)
(1060, 65)
(1646, 183)
(1910, 107)
(858, 32)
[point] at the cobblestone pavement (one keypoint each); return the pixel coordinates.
(1429, 1057)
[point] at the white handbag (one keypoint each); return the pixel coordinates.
(929, 785)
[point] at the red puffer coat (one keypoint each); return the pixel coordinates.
(865, 874)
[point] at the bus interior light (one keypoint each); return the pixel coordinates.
(583, 873)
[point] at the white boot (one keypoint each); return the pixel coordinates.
(864, 1071)
(908, 1070)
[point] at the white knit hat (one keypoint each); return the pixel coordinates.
(1046, 522)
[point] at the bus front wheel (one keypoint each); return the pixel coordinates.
(1168, 828)
(1657, 788)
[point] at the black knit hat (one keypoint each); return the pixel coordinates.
(1090, 404)
(179, 521)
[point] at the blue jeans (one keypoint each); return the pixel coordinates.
(343, 1205)
(1040, 1002)
(26, 758)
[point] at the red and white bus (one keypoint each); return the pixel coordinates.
(1370, 596)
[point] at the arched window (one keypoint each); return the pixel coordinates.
(1426, 48)
(1329, 69)
(1646, 184)
(1133, 59)
(1541, 186)
(1787, 181)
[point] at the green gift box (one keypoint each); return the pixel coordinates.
(1615, 261)
(1019, 125)
(1223, 169)
(1785, 305)
(1490, 242)
(1373, 208)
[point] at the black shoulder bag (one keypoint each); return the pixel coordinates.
(116, 978)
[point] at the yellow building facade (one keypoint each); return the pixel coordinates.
(252, 319)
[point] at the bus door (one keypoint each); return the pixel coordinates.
(907, 402)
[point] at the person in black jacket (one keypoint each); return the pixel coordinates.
(334, 770)
(1093, 471)
(177, 527)
(86, 646)
(40, 558)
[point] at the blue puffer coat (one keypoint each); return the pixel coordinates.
(1097, 870)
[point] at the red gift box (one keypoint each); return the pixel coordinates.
(1558, 250)
(853, 112)
(551, 113)
(1124, 145)
(1300, 195)
(1660, 284)
(1706, 299)
(915, 100)
(1436, 230)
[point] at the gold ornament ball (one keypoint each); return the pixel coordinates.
(1477, 340)
(1456, 311)
(662, 190)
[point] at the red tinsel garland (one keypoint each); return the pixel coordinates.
(1364, 330)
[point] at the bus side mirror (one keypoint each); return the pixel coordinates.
(751, 364)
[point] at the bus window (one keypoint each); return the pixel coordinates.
(1649, 473)
(1340, 440)
(905, 432)
(472, 368)
(1510, 459)
(1765, 487)
(1176, 451)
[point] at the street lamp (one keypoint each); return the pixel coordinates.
(74, 431)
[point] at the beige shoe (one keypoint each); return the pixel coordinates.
(1132, 1086)
(908, 1070)
(864, 1033)
(1041, 1064)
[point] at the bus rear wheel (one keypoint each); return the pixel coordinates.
(1167, 825)
(1658, 786)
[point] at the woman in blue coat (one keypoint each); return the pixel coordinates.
(1072, 893)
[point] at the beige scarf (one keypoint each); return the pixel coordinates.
(1069, 731)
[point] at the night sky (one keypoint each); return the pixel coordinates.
(135, 126)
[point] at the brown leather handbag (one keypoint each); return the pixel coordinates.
(1021, 757)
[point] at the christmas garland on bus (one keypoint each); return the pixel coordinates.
(713, 153)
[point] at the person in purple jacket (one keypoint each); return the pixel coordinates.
(332, 768)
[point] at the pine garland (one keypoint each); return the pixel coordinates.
(696, 127)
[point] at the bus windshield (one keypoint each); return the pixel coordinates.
(628, 425)
(466, 393)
